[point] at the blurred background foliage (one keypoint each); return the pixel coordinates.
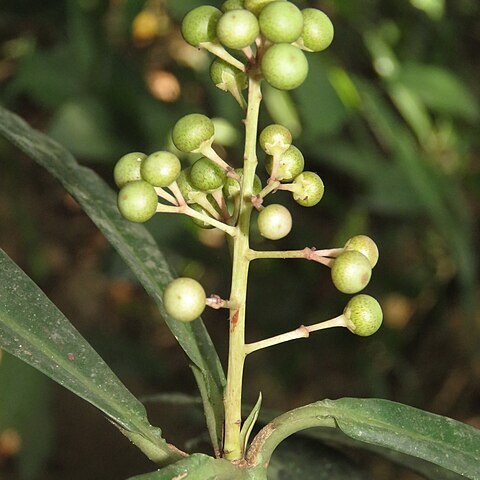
(389, 117)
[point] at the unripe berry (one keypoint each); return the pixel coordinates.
(137, 201)
(232, 5)
(199, 223)
(256, 6)
(231, 188)
(237, 29)
(284, 66)
(191, 131)
(308, 189)
(290, 164)
(161, 169)
(317, 32)
(275, 139)
(222, 74)
(274, 222)
(363, 315)
(127, 169)
(351, 272)
(200, 25)
(185, 186)
(364, 245)
(184, 299)
(206, 175)
(281, 22)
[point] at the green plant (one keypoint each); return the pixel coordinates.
(34, 330)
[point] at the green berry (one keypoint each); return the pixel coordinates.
(275, 139)
(192, 131)
(274, 222)
(206, 175)
(231, 188)
(364, 245)
(363, 315)
(281, 22)
(200, 25)
(308, 189)
(237, 29)
(185, 186)
(127, 169)
(161, 169)
(137, 201)
(223, 75)
(290, 164)
(199, 223)
(351, 272)
(232, 5)
(284, 66)
(317, 32)
(256, 6)
(184, 299)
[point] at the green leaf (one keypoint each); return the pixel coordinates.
(438, 440)
(35, 331)
(136, 246)
(249, 423)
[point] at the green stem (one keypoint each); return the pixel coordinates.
(236, 357)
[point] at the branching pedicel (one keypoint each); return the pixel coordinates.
(272, 37)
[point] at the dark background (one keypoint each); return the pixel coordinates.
(389, 117)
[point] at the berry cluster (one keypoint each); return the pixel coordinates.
(253, 41)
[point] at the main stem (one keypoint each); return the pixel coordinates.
(238, 296)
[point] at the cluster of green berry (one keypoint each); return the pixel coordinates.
(272, 36)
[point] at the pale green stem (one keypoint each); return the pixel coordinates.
(301, 332)
(220, 52)
(236, 357)
(207, 151)
(320, 256)
(178, 194)
(269, 188)
(165, 195)
(186, 210)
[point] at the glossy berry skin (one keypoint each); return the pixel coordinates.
(206, 175)
(364, 245)
(127, 169)
(309, 189)
(256, 6)
(351, 272)
(231, 188)
(281, 22)
(161, 169)
(238, 29)
(284, 66)
(317, 32)
(363, 315)
(191, 131)
(290, 164)
(222, 74)
(274, 222)
(275, 139)
(137, 201)
(184, 299)
(200, 25)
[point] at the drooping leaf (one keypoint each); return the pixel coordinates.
(135, 245)
(441, 441)
(35, 331)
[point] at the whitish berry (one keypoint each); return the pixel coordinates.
(351, 272)
(274, 222)
(161, 169)
(365, 245)
(232, 5)
(290, 164)
(237, 29)
(281, 22)
(284, 66)
(308, 189)
(137, 201)
(191, 131)
(200, 25)
(206, 175)
(275, 139)
(363, 315)
(256, 6)
(231, 188)
(223, 75)
(127, 168)
(184, 299)
(317, 32)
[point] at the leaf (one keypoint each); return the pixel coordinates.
(250, 423)
(136, 246)
(438, 440)
(35, 331)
